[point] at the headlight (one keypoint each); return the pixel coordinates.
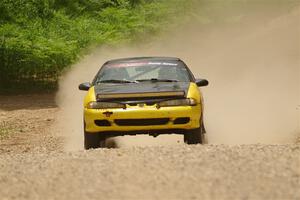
(178, 102)
(104, 105)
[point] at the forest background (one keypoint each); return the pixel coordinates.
(39, 39)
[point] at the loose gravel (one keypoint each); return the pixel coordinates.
(173, 172)
(34, 165)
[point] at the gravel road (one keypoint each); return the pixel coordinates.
(34, 165)
(178, 172)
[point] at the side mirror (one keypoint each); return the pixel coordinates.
(201, 82)
(85, 86)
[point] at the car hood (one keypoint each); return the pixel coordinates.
(136, 90)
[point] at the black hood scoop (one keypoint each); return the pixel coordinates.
(135, 91)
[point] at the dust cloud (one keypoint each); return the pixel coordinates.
(254, 73)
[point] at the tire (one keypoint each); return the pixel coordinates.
(93, 140)
(195, 136)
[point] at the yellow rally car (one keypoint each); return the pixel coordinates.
(144, 95)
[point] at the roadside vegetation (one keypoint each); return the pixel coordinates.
(40, 38)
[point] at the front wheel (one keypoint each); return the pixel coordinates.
(93, 140)
(195, 136)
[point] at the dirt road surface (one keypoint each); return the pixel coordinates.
(34, 164)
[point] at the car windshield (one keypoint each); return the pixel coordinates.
(135, 72)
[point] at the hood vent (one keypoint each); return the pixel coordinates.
(106, 96)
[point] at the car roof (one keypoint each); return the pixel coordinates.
(137, 59)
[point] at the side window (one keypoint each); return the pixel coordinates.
(131, 72)
(143, 72)
(149, 74)
(114, 74)
(183, 74)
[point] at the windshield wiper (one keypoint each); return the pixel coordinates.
(157, 80)
(116, 81)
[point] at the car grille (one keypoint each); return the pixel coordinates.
(182, 120)
(102, 123)
(141, 122)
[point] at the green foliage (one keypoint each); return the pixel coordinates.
(4, 130)
(40, 38)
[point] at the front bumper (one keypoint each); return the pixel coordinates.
(151, 118)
